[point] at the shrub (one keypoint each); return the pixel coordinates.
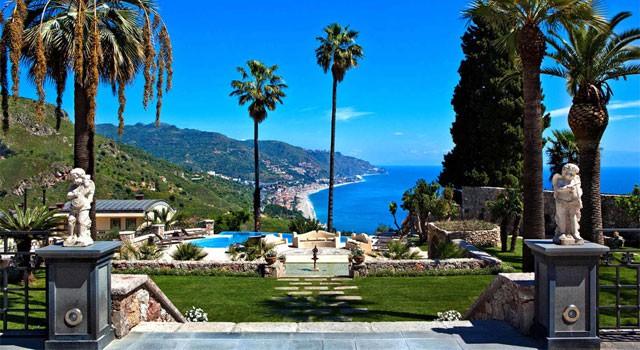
(149, 251)
(304, 225)
(188, 251)
(450, 315)
(630, 204)
(400, 251)
(196, 315)
(447, 250)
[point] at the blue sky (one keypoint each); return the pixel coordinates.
(394, 109)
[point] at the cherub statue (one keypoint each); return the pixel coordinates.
(567, 193)
(81, 195)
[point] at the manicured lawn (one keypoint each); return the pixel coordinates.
(513, 259)
(229, 299)
(16, 300)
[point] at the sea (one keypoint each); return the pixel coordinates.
(363, 206)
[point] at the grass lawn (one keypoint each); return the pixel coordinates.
(16, 297)
(513, 259)
(229, 299)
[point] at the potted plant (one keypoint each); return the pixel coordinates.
(270, 256)
(357, 255)
(282, 258)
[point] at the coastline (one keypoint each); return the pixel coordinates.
(305, 205)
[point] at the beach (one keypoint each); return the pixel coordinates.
(305, 205)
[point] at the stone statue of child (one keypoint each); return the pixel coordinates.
(567, 193)
(81, 195)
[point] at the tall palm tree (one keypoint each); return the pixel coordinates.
(525, 38)
(562, 150)
(589, 59)
(338, 51)
(262, 88)
(108, 40)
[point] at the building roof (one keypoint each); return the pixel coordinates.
(121, 205)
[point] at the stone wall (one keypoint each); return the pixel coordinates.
(476, 238)
(253, 267)
(474, 206)
(477, 259)
(135, 299)
(510, 297)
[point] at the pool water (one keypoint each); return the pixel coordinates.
(226, 238)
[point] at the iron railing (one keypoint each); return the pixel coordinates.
(23, 287)
(618, 297)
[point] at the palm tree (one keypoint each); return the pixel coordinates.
(393, 209)
(338, 51)
(589, 59)
(563, 150)
(263, 89)
(508, 210)
(108, 40)
(524, 19)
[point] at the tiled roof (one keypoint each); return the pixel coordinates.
(121, 205)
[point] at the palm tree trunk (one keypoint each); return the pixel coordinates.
(514, 233)
(332, 154)
(256, 191)
(531, 48)
(588, 122)
(83, 149)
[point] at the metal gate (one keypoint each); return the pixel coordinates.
(23, 287)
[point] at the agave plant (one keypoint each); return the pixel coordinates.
(188, 251)
(400, 251)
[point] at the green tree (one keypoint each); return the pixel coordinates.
(425, 203)
(523, 20)
(485, 107)
(589, 59)
(231, 221)
(393, 209)
(338, 51)
(304, 225)
(108, 40)
(561, 150)
(630, 204)
(263, 89)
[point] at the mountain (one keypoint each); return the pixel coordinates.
(35, 156)
(213, 152)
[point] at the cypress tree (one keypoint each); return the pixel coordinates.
(487, 131)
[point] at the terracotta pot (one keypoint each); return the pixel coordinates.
(283, 259)
(358, 259)
(271, 259)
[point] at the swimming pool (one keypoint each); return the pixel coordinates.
(226, 238)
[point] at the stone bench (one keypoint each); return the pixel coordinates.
(316, 239)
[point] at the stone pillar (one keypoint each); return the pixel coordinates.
(208, 226)
(79, 295)
(275, 270)
(357, 270)
(158, 230)
(565, 295)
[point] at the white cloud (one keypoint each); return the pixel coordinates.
(398, 133)
(623, 117)
(348, 113)
(307, 109)
(623, 104)
(560, 112)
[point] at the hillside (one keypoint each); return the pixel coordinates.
(36, 156)
(214, 152)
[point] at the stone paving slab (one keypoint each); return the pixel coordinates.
(335, 327)
(316, 288)
(210, 327)
(299, 293)
(330, 283)
(157, 327)
(348, 297)
(345, 287)
(301, 283)
(269, 327)
(331, 292)
(408, 326)
(288, 279)
(287, 288)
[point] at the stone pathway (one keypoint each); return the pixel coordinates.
(306, 299)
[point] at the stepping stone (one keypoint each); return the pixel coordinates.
(299, 293)
(355, 310)
(349, 297)
(282, 311)
(288, 279)
(300, 283)
(331, 292)
(339, 304)
(317, 312)
(287, 288)
(314, 279)
(341, 279)
(345, 287)
(299, 304)
(330, 283)
(316, 288)
(337, 318)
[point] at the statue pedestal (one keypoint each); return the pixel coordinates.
(79, 295)
(565, 296)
